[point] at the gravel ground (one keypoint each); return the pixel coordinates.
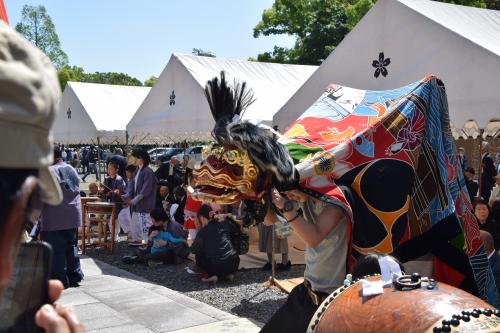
(246, 296)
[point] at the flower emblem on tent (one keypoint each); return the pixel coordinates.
(69, 113)
(172, 98)
(380, 65)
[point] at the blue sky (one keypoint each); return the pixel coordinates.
(138, 37)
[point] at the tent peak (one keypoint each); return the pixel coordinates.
(181, 56)
(480, 26)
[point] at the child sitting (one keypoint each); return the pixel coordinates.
(161, 243)
(93, 190)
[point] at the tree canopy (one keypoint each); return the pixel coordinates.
(112, 78)
(203, 53)
(68, 73)
(78, 74)
(151, 81)
(37, 27)
(319, 26)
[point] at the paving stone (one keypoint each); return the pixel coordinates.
(235, 325)
(95, 284)
(112, 300)
(194, 304)
(73, 296)
(132, 328)
(125, 299)
(98, 316)
(89, 267)
(167, 318)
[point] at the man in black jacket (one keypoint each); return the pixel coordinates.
(493, 256)
(213, 248)
(170, 172)
(91, 160)
(472, 186)
(488, 172)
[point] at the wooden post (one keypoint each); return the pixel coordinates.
(113, 228)
(83, 226)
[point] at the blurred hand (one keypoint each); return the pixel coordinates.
(197, 224)
(160, 243)
(278, 199)
(57, 319)
(154, 233)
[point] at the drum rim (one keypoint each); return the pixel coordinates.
(320, 311)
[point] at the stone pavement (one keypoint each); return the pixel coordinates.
(113, 300)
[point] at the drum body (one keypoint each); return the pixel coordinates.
(420, 310)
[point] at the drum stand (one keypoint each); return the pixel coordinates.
(272, 280)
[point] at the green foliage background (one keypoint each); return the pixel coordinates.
(319, 26)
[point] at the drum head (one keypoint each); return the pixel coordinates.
(442, 308)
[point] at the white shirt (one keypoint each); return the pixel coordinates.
(489, 255)
(325, 263)
(495, 195)
(136, 178)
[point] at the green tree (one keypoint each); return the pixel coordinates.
(78, 74)
(492, 4)
(151, 81)
(319, 26)
(471, 3)
(111, 78)
(356, 10)
(200, 52)
(37, 27)
(68, 73)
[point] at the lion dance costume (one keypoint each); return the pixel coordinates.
(393, 148)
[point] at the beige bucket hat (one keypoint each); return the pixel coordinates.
(29, 98)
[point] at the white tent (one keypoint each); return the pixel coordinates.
(409, 39)
(90, 112)
(176, 107)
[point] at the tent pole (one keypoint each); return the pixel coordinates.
(98, 160)
(126, 144)
(272, 278)
(481, 131)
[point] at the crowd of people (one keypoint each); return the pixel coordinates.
(485, 192)
(161, 219)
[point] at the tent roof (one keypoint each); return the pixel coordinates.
(254, 73)
(479, 26)
(459, 44)
(110, 107)
(186, 75)
(89, 111)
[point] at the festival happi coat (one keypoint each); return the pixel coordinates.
(393, 149)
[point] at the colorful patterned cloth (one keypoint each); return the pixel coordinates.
(395, 151)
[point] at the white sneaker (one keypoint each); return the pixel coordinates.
(212, 279)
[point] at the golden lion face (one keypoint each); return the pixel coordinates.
(226, 176)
